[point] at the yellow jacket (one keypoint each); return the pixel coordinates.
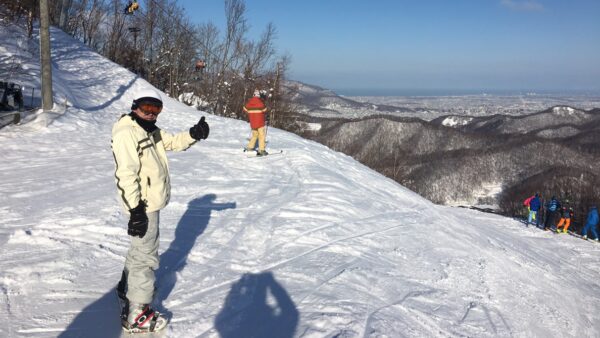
(142, 171)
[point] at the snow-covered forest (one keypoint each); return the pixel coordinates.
(306, 244)
(472, 158)
(199, 63)
(320, 102)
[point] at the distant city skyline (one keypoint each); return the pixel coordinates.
(461, 45)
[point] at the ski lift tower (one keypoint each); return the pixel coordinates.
(134, 30)
(130, 9)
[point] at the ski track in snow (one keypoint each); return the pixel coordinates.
(308, 244)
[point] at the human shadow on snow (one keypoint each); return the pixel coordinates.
(191, 225)
(101, 319)
(257, 306)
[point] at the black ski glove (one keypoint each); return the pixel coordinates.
(138, 221)
(200, 130)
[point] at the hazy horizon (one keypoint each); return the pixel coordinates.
(459, 92)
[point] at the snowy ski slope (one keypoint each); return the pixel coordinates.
(307, 244)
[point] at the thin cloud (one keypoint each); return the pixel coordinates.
(523, 5)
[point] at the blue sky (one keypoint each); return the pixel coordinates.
(443, 44)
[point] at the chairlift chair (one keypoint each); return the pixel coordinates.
(200, 65)
(131, 7)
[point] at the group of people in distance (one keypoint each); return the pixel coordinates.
(554, 209)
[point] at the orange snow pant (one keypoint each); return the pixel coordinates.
(567, 222)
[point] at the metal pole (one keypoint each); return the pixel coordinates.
(135, 52)
(47, 102)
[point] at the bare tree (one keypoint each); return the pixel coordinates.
(115, 45)
(64, 14)
(91, 14)
(160, 44)
(17, 9)
(229, 53)
(203, 81)
(238, 65)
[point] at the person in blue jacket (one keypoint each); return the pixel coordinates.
(590, 224)
(534, 207)
(552, 209)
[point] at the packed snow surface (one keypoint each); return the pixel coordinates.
(307, 244)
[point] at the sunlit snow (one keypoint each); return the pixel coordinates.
(306, 244)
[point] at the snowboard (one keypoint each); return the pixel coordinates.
(581, 237)
(590, 240)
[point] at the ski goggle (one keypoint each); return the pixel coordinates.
(150, 109)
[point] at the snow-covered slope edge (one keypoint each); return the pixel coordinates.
(308, 244)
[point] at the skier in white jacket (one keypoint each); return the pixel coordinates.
(142, 177)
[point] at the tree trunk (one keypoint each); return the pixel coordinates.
(64, 14)
(47, 101)
(30, 17)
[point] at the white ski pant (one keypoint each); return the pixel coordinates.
(141, 262)
(257, 134)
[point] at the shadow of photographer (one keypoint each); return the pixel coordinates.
(257, 306)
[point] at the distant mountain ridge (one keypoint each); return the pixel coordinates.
(567, 121)
(321, 102)
(317, 101)
(473, 160)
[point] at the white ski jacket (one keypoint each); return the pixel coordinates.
(142, 171)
